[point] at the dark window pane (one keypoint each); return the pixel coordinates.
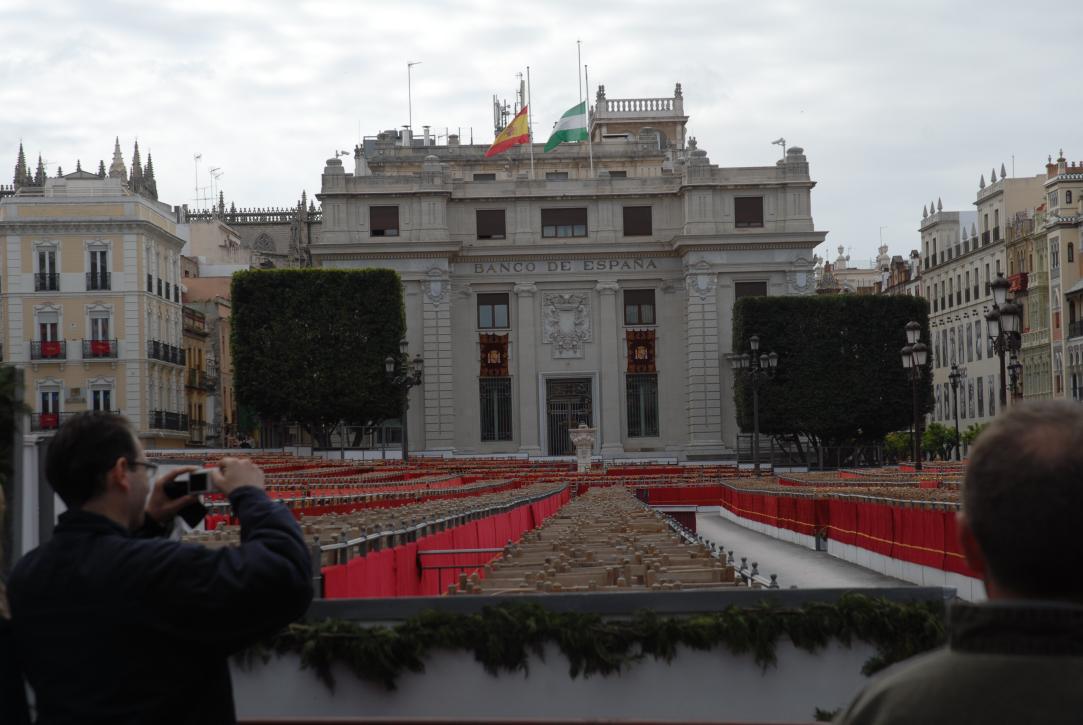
(491, 224)
(384, 221)
(638, 307)
(493, 311)
(631, 314)
(749, 289)
(564, 222)
(622, 174)
(495, 400)
(748, 211)
(637, 221)
(484, 177)
(642, 395)
(556, 175)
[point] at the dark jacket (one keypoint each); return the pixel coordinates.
(111, 628)
(1010, 662)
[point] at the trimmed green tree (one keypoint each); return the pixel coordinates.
(840, 381)
(309, 345)
(970, 435)
(938, 441)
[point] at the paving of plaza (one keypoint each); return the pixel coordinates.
(795, 565)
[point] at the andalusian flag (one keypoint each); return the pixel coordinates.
(572, 126)
(516, 133)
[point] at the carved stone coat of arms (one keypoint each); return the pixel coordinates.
(566, 319)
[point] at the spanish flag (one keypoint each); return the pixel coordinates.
(516, 133)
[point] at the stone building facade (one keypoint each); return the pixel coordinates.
(593, 285)
(91, 297)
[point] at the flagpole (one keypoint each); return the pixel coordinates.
(590, 132)
(579, 63)
(529, 125)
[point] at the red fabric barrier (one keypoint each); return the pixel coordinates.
(407, 576)
(805, 516)
(787, 512)
(335, 584)
(842, 521)
(919, 536)
(875, 528)
(355, 577)
(954, 560)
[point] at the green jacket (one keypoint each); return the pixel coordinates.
(1005, 662)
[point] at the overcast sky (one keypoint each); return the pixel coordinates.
(895, 103)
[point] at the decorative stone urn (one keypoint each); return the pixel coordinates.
(583, 440)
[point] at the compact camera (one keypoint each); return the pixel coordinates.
(189, 483)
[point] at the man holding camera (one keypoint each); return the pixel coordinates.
(114, 623)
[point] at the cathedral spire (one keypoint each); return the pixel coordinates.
(22, 173)
(117, 170)
(101, 169)
(39, 175)
(137, 167)
(149, 184)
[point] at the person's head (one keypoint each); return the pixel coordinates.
(1022, 499)
(95, 460)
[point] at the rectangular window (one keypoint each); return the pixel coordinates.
(493, 311)
(637, 221)
(484, 177)
(564, 222)
(749, 289)
(99, 327)
(491, 224)
(621, 174)
(639, 307)
(642, 392)
(556, 175)
(383, 221)
(981, 399)
(748, 211)
(977, 339)
(101, 399)
(495, 409)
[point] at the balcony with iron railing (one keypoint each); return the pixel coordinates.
(167, 420)
(48, 350)
(158, 350)
(99, 281)
(200, 380)
(93, 349)
(46, 282)
(197, 432)
(48, 421)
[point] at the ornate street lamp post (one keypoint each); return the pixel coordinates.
(1002, 325)
(409, 374)
(757, 369)
(914, 356)
(956, 377)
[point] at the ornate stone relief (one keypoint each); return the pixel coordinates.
(700, 280)
(436, 287)
(566, 319)
(801, 279)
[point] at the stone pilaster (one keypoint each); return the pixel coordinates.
(704, 419)
(526, 337)
(439, 401)
(609, 340)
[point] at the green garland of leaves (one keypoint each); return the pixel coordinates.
(502, 637)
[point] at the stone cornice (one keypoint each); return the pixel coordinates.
(95, 227)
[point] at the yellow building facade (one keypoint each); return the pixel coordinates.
(91, 301)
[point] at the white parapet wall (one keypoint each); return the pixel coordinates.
(696, 686)
(966, 587)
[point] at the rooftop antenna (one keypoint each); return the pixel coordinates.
(216, 174)
(520, 93)
(195, 159)
(410, 93)
(781, 142)
(341, 153)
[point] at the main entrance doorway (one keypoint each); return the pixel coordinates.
(567, 404)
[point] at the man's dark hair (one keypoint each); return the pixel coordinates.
(83, 450)
(1022, 496)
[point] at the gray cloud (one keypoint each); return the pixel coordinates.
(896, 103)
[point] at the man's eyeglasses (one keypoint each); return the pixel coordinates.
(152, 468)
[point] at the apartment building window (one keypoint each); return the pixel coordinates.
(495, 399)
(977, 339)
(49, 414)
(748, 211)
(642, 394)
(951, 294)
(969, 344)
(484, 177)
(1068, 196)
(491, 224)
(639, 307)
(101, 399)
(637, 221)
(383, 221)
(998, 267)
(47, 277)
(967, 289)
(98, 276)
(958, 289)
(564, 222)
(981, 399)
(1071, 252)
(493, 311)
(99, 326)
(1054, 254)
